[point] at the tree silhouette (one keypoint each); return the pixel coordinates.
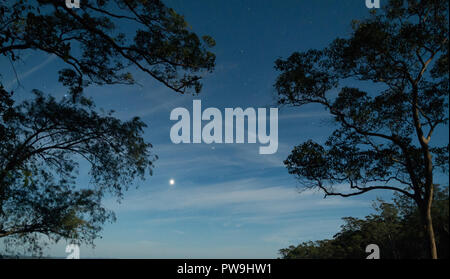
(96, 47)
(43, 140)
(383, 140)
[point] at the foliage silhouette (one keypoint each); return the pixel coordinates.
(43, 140)
(383, 140)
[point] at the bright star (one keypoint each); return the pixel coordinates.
(172, 181)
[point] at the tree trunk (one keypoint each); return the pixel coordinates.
(430, 233)
(425, 208)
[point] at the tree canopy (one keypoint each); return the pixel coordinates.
(383, 140)
(44, 140)
(41, 144)
(101, 39)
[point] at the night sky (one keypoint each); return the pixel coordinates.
(225, 200)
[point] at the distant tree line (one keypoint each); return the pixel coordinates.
(395, 228)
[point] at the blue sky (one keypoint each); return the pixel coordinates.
(228, 201)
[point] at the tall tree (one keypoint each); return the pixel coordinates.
(383, 140)
(43, 140)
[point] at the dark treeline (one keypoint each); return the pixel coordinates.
(395, 228)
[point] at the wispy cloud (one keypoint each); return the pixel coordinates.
(300, 115)
(24, 75)
(243, 196)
